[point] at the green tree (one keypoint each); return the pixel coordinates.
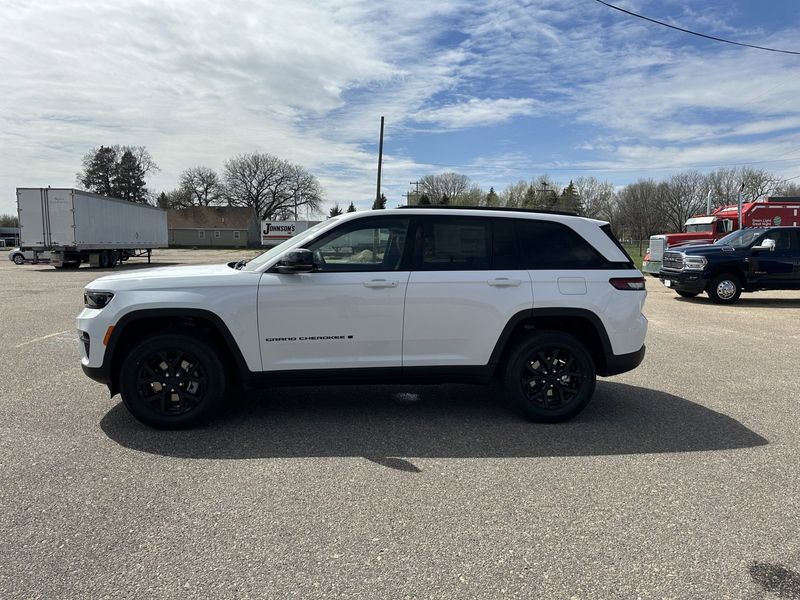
(9, 221)
(570, 200)
(424, 200)
(379, 203)
(492, 199)
(117, 171)
(129, 177)
(335, 211)
(352, 207)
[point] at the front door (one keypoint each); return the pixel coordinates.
(777, 268)
(348, 312)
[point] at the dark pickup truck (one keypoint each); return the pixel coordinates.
(747, 260)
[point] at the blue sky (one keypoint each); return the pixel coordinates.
(500, 91)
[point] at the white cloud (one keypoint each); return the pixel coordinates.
(478, 112)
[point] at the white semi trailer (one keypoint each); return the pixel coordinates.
(81, 227)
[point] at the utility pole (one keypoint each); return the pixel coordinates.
(741, 189)
(416, 183)
(380, 163)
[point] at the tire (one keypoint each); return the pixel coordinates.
(172, 360)
(687, 294)
(724, 289)
(105, 260)
(19, 259)
(541, 393)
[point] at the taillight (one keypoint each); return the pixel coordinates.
(627, 283)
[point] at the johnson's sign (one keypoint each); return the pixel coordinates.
(274, 232)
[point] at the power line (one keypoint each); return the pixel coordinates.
(689, 31)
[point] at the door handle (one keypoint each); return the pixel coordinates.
(504, 282)
(380, 283)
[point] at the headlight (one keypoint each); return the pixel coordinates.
(96, 299)
(694, 263)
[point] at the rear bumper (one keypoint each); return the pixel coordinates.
(622, 363)
(684, 281)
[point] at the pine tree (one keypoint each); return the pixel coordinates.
(424, 200)
(335, 211)
(379, 203)
(351, 208)
(570, 200)
(129, 179)
(492, 199)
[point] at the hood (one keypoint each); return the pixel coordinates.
(170, 278)
(679, 238)
(704, 249)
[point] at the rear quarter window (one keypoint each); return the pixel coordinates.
(547, 245)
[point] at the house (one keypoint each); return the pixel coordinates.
(9, 236)
(212, 226)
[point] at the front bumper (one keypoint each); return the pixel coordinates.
(651, 267)
(693, 282)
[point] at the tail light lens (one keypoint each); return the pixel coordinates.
(627, 283)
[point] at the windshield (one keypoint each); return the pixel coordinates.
(262, 259)
(741, 238)
(699, 227)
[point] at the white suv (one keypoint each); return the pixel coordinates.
(545, 301)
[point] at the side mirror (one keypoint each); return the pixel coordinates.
(766, 244)
(300, 260)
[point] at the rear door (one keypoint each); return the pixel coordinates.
(61, 217)
(464, 287)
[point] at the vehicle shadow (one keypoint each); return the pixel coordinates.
(449, 421)
(123, 267)
(747, 301)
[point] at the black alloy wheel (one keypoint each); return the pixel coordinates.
(550, 377)
(172, 381)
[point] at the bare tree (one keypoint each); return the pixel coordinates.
(597, 197)
(686, 194)
(641, 208)
(445, 185)
(202, 185)
(514, 195)
(270, 186)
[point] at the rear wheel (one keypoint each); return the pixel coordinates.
(687, 294)
(550, 377)
(172, 381)
(725, 289)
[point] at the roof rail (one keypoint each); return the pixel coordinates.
(496, 208)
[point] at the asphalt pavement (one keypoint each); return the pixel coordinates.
(680, 480)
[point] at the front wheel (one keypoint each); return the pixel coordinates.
(172, 381)
(19, 259)
(724, 289)
(550, 377)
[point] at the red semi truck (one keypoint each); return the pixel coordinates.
(706, 229)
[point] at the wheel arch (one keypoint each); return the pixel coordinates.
(140, 324)
(582, 324)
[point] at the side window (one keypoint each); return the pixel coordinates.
(368, 245)
(201, 234)
(549, 245)
(461, 244)
(784, 240)
(504, 248)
